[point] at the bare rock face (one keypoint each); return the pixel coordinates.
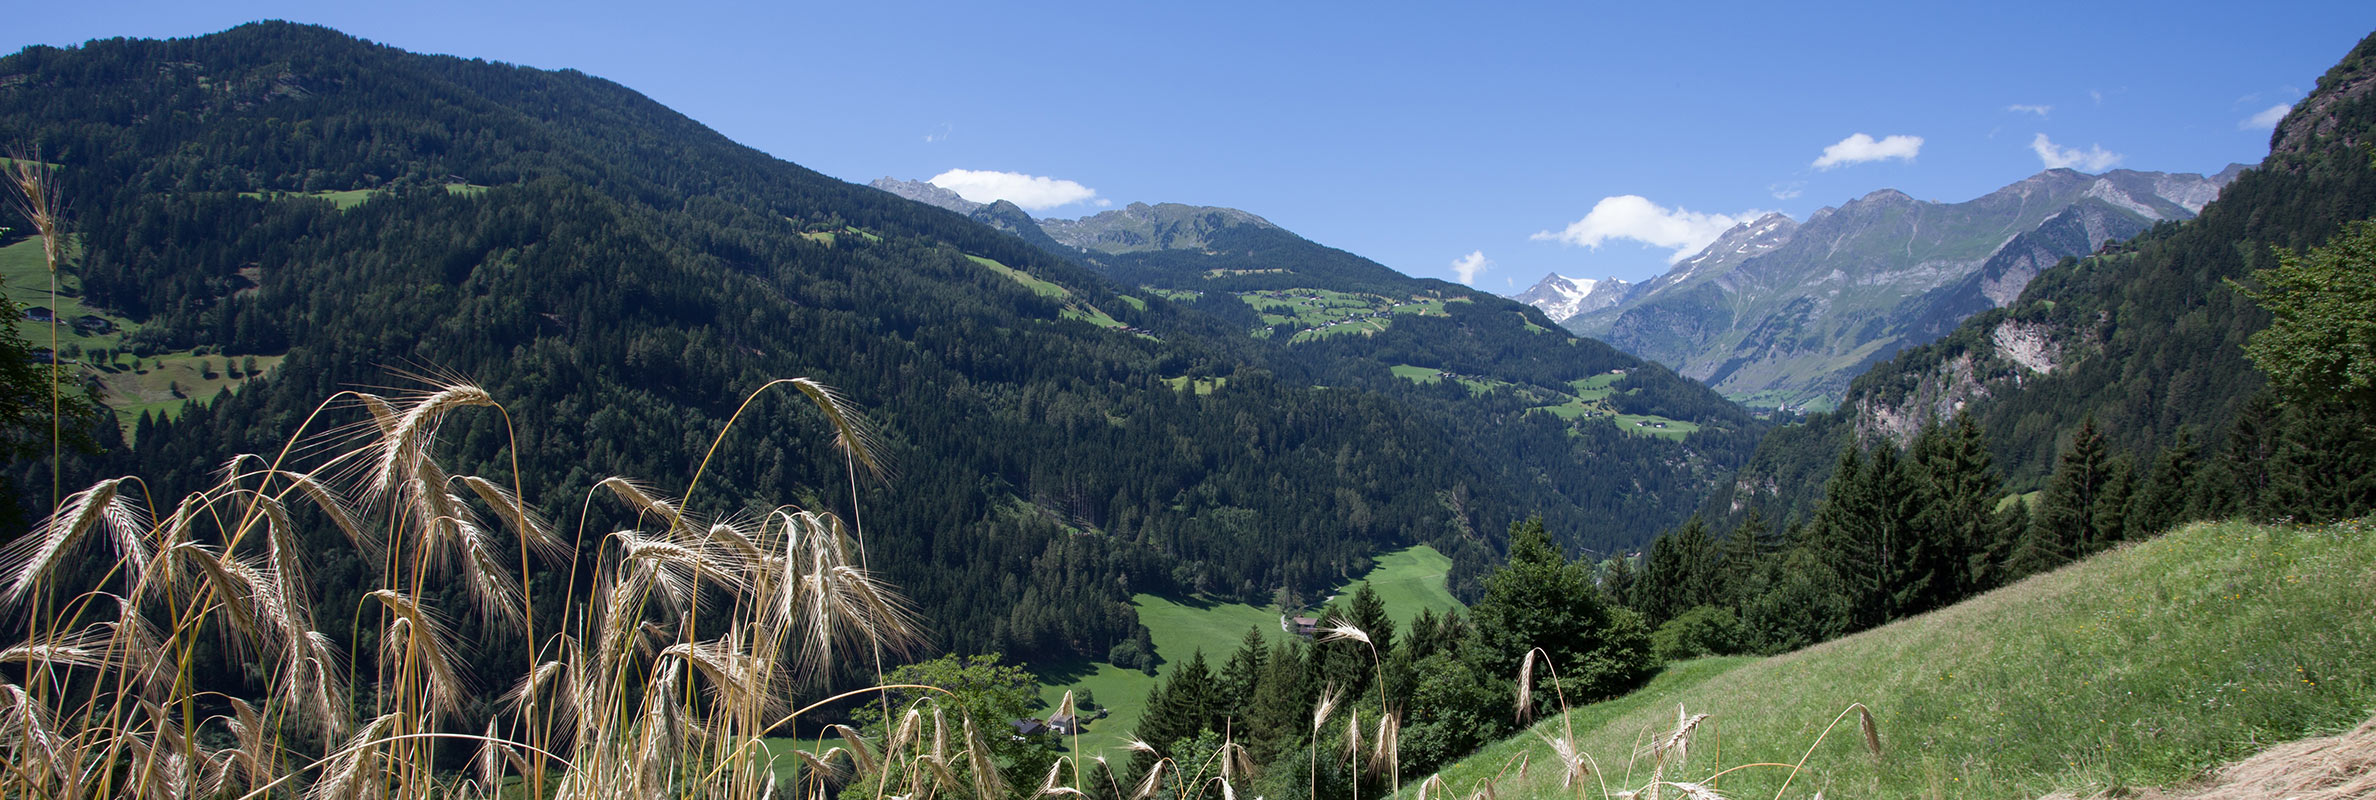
(927, 194)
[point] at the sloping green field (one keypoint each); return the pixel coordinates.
(2140, 667)
(1408, 580)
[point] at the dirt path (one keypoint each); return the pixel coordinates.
(2327, 768)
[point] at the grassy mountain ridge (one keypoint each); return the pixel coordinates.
(626, 275)
(2139, 667)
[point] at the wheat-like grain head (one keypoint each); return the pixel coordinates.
(1871, 730)
(414, 636)
(1434, 784)
(1339, 628)
(986, 780)
(1384, 747)
(1526, 684)
(395, 456)
(1152, 781)
(39, 553)
(1693, 791)
(39, 201)
(1326, 706)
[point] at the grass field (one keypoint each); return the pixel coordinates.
(1203, 385)
(2137, 668)
(131, 385)
(344, 199)
(1588, 398)
(151, 385)
(1408, 580)
(1072, 310)
(1317, 313)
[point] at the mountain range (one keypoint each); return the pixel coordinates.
(1165, 399)
(1782, 313)
(2142, 342)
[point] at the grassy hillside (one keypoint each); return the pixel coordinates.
(1408, 580)
(2140, 667)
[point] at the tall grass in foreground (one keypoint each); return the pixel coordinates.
(2142, 667)
(697, 635)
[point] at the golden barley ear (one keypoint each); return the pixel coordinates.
(1526, 684)
(988, 784)
(1326, 706)
(1433, 783)
(856, 744)
(1153, 781)
(1694, 791)
(37, 198)
(1871, 730)
(1341, 628)
(852, 433)
(1385, 747)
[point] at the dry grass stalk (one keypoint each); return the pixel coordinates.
(652, 709)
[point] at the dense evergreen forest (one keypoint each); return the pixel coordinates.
(619, 277)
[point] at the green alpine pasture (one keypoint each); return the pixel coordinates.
(1408, 580)
(160, 383)
(1587, 399)
(2141, 667)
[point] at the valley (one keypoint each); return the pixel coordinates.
(472, 429)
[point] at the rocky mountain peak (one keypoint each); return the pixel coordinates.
(927, 194)
(1561, 297)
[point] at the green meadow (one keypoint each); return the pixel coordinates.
(2141, 667)
(1408, 580)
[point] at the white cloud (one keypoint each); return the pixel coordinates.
(1787, 191)
(1469, 265)
(2093, 159)
(1635, 217)
(2267, 119)
(1032, 192)
(2019, 108)
(939, 134)
(1860, 148)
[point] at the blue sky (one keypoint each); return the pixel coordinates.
(1589, 139)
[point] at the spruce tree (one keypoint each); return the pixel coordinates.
(1184, 709)
(1369, 614)
(2239, 481)
(1961, 489)
(1278, 717)
(1242, 675)
(2169, 486)
(2068, 525)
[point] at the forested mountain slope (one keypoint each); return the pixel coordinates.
(620, 277)
(2146, 339)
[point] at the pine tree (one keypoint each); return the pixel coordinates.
(1961, 489)
(2169, 486)
(1540, 599)
(1865, 532)
(1277, 721)
(1369, 614)
(2239, 481)
(2067, 526)
(1243, 674)
(1184, 708)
